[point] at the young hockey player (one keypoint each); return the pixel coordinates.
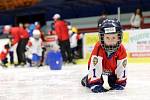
(34, 49)
(73, 41)
(107, 63)
(3, 55)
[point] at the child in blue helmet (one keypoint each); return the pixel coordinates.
(107, 63)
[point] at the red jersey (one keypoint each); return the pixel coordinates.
(99, 63)
(15, 31)
(23, 33)
(4, 53)
(61, 30)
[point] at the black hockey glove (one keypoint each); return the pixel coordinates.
(117, 87)
(44, 49)
(97, 88)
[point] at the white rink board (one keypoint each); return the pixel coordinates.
(44, 84)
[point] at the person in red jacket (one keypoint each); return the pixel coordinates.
(61, 30)
(15, 38)
(3, 55)
(24, 37)
(107, 63)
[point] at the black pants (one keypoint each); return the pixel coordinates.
(11, 54)
(21, 50)
(43, 54)
(65, 50)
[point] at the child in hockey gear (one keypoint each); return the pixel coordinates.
(107, 63)
(34, 49)
(3, 55)
(12, 49)
(73, 41)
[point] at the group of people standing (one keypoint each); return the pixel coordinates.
(20, 42)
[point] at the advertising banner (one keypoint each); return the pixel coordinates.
(89, 42)
(138, 45)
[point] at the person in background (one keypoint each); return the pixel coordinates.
(34, 49)
(26, 27)
(24, 37)
(15, 38)
(102, 17)
(52, 26)
(61, 30)
(107, 64)
(136, 19)
(3, 55)
(75, 41)
(73, 34)
(38, 27)
(31, 28)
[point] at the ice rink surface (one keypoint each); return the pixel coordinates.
(44, 84)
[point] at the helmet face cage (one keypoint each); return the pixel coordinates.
(111, 48)
(106, 24)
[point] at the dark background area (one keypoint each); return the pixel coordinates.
(45, 9)
(31, 19)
